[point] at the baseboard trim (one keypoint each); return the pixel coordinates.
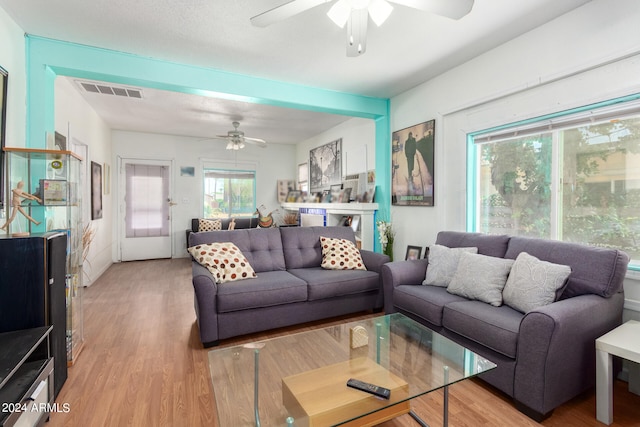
(632, 304)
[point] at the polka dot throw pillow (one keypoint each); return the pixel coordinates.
(209, 224)
(224, 260)
(340, 254)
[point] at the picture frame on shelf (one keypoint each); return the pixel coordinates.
(413, 253)
(293, 196)
(412, 165)
(284, 186)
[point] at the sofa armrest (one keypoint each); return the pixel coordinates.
(373, 260)
(556, 349)
(399, 273)
(205, 290)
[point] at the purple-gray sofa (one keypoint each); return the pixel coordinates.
(291, 287)
(546, 356)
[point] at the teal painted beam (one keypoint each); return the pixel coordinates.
(95, 63)
(47, 58)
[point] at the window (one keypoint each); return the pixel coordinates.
(229, 193)
(572, 176)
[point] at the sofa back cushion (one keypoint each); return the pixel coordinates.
(301, 245)
(594, 270)
(261, 246)
(487, 244)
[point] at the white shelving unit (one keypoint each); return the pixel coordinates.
(335, 212)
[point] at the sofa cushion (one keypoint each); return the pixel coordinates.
(443, 263)
(493, 327)
(533, 283)
(594, 270)
(340, 254)
(268, 289)
(334, 283)
(262, 247)
(487, 244)
(301, 245)
(209, 224)
(224, 260)
(480, 277)
(426, 302)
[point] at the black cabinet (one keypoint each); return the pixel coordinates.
(26, 383)
(32, 291)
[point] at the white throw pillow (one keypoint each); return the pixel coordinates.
(443, 263)
(480, 277)
(534, 283)
(224, 260)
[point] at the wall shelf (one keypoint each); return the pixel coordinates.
(335, 211)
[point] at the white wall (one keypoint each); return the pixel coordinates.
(358, 145)
(588, 55)
(275, 162)
(75, 119)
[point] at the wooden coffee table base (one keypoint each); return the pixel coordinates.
(321, 397)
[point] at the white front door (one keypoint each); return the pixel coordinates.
(145, 209)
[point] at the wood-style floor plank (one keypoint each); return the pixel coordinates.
(143, 364)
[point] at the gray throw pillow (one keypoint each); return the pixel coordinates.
(480, 277)
(443, 262)
(534, 283)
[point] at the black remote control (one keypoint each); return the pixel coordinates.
(376, 390)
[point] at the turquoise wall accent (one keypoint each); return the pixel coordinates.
(47, 58)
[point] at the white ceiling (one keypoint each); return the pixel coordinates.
(308, 49)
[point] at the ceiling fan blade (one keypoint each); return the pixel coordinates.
(454, 9)
(357, 32)
(284, 11)
(257, 141)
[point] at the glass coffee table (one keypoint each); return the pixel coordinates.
(301, 379)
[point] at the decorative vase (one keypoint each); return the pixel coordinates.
(388, 249)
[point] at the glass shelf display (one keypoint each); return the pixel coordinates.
(43, 193)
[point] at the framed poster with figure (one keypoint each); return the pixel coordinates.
(412, 178)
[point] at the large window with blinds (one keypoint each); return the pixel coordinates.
(229, 193)
(572, 176)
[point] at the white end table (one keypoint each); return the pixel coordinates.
(623, 341)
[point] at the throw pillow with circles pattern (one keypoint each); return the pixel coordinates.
(209, 224)
(340, 254)
(224, 260)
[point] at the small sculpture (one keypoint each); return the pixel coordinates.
(17, 195)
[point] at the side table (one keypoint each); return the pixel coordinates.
(622, 342)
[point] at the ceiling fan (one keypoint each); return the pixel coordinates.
(355, 15)
(235, 139)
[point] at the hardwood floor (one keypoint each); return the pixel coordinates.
(143, 364)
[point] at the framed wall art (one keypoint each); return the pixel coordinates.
(4, 76)
(96, 190)
(412, 178)
(325, 165)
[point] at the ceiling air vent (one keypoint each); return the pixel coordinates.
(100, 88)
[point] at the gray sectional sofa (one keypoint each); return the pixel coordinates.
(290, 287)
(546, 356)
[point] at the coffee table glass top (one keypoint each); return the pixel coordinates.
(301, 378)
